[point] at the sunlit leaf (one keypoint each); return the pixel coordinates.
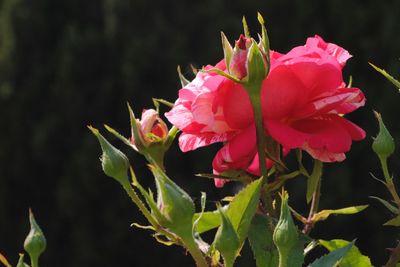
(353, 258)
(208, 221)
(324, 214)
(333, 258)
(243, 207)
(260, 238)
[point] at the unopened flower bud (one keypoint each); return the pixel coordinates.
(285, 235)
(238, 62)
(115, 164)
(383, 144)
(35, 242)
(151, 128)
(175, 205)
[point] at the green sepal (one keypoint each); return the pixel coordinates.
(265, 40)
(245, 27)
(114, 163)
(333, 258)
(260, 239)
(118, 135)
(387, 76)
(35, 243)
(383, 144)
(226, 240)
(21, 262)
(223, 73)
(389, 206)
(184, 82)
(256, 65)
(353, 258)
(226, 46)
(139, 142)
(314, 179)
(393, 222)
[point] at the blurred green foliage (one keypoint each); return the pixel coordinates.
(67, 63)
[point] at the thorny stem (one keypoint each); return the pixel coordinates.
(389, 182)
(254, 93)
(308, 226)
(194, 250)
(394, 256)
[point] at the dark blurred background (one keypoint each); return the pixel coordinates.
(66, 64)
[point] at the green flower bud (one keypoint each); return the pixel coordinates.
(285, 235)
(115, 164)
(175, 205)
(226, 240)
(383, 144)
(35, 242)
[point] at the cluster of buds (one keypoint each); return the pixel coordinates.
(248, 61)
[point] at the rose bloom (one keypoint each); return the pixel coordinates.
(303, 101)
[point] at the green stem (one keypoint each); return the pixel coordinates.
(254, 93)
(313, 209)
(34, 261)
(389, 181)
(257, 111)
(282, 261)
(194, 250)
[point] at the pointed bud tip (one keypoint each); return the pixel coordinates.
(260, 18)
(383, 144)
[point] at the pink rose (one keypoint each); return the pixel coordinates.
(303, 99)
(151, 129)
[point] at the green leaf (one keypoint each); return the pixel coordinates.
(243, 207)
(389, 206)
(393, 222)
(333, 258)
(387, 76)
(353, 258)
(209, 220)
(324, 214)
(260, 238)
(314, 179)
(226, 240)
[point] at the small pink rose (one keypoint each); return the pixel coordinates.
(151, 128)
